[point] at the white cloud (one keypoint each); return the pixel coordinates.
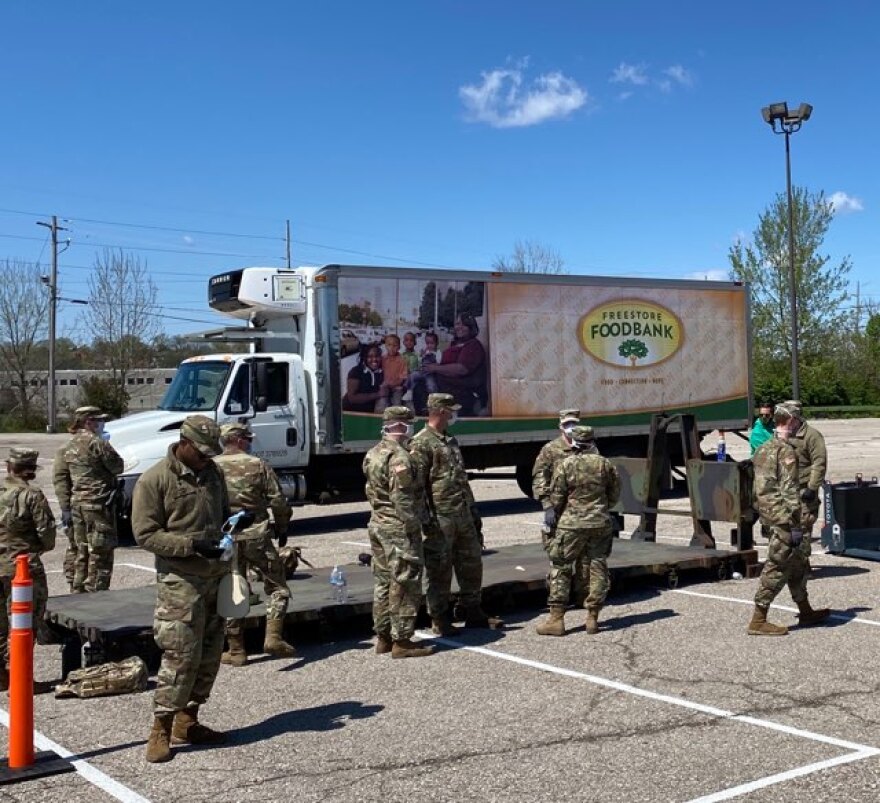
(664, 85)
(504, 100)
(188, 240)
(842, 203)
(710, 275)
(629, 74)
(679, 75)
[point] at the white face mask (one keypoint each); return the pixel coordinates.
(393, 430)
(567, 430)
(453, 417)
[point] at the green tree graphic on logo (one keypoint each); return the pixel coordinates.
(634, 349)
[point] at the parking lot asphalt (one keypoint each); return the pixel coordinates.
(671, 701)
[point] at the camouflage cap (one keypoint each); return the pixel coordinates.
(236, 430)
(23, 458)
(84, 413)
(788, 409)
(398, 414)
(203, 433)
(442, 401)
(569, 415)
(582, 434)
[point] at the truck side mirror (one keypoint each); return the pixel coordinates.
(261, 387)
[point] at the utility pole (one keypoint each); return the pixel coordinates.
(54, 228)
(288, 245)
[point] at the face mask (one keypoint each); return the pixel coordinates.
(392, 430)
(99, 428)
(567, 429)
(453, 417)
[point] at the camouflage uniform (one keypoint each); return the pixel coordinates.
(173, 507)
(27, 526)
(549, 457)
(63, 486)
(584, 487)
(92, 465)
(251, 485)
(396, 502)
(778, 503)
(451, 539)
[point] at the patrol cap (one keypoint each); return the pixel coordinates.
(582, 434)
(787, 409)
(398, 413)
(236, 430)
(23, 458)
(203, 433)
(442, 401)
(85, 413)
(569, 415)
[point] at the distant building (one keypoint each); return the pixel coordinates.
(145, 386)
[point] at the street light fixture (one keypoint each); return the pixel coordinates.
(783, 121)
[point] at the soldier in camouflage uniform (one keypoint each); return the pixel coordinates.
(549, 457)
(251, 485)
(27, 527)
(452, 537)
(778, 501)
(63, 486)
(84, 476)
(395, 531)
(584, 488)
(812, 462)
(178, 510)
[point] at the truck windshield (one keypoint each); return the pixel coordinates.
(196, 387)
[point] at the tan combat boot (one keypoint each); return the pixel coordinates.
(188, 730)
(476, 617)
(383, 643)
(274, 643)
(236, 655)
(405, 648)
(808, 616)
(158, 745)
(759, 626)
(592, 624)
(555, 625)
(442, 626)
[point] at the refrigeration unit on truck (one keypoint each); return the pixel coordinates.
(523, 347)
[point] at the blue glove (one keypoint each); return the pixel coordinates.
(550, 517)
(66, 519)
(796, 537)
(808, 495)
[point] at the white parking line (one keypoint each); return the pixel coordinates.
(839, 617)
(355, 543)
(93, 775)
(857, 751)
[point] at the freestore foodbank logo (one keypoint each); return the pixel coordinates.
(631, 333)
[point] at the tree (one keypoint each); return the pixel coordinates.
(24, 303)
(821, 287)
(530, 257)
(121, 316)
(635, 350)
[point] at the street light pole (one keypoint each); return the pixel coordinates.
(783, 121)
(792, 279)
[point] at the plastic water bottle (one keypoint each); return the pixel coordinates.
(338, 585)
(721, 451)
(227, 544)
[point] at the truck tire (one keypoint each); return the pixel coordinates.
(524, 479)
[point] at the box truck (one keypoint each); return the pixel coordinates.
(316, 344)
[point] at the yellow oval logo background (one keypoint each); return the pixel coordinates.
(631, 334)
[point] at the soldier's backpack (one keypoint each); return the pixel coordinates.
(104, 680)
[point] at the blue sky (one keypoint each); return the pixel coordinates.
(627, 135)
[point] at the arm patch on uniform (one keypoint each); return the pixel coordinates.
(398, 469)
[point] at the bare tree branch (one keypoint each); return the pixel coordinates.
(530, 257)
(24, 302)
(121, 316)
